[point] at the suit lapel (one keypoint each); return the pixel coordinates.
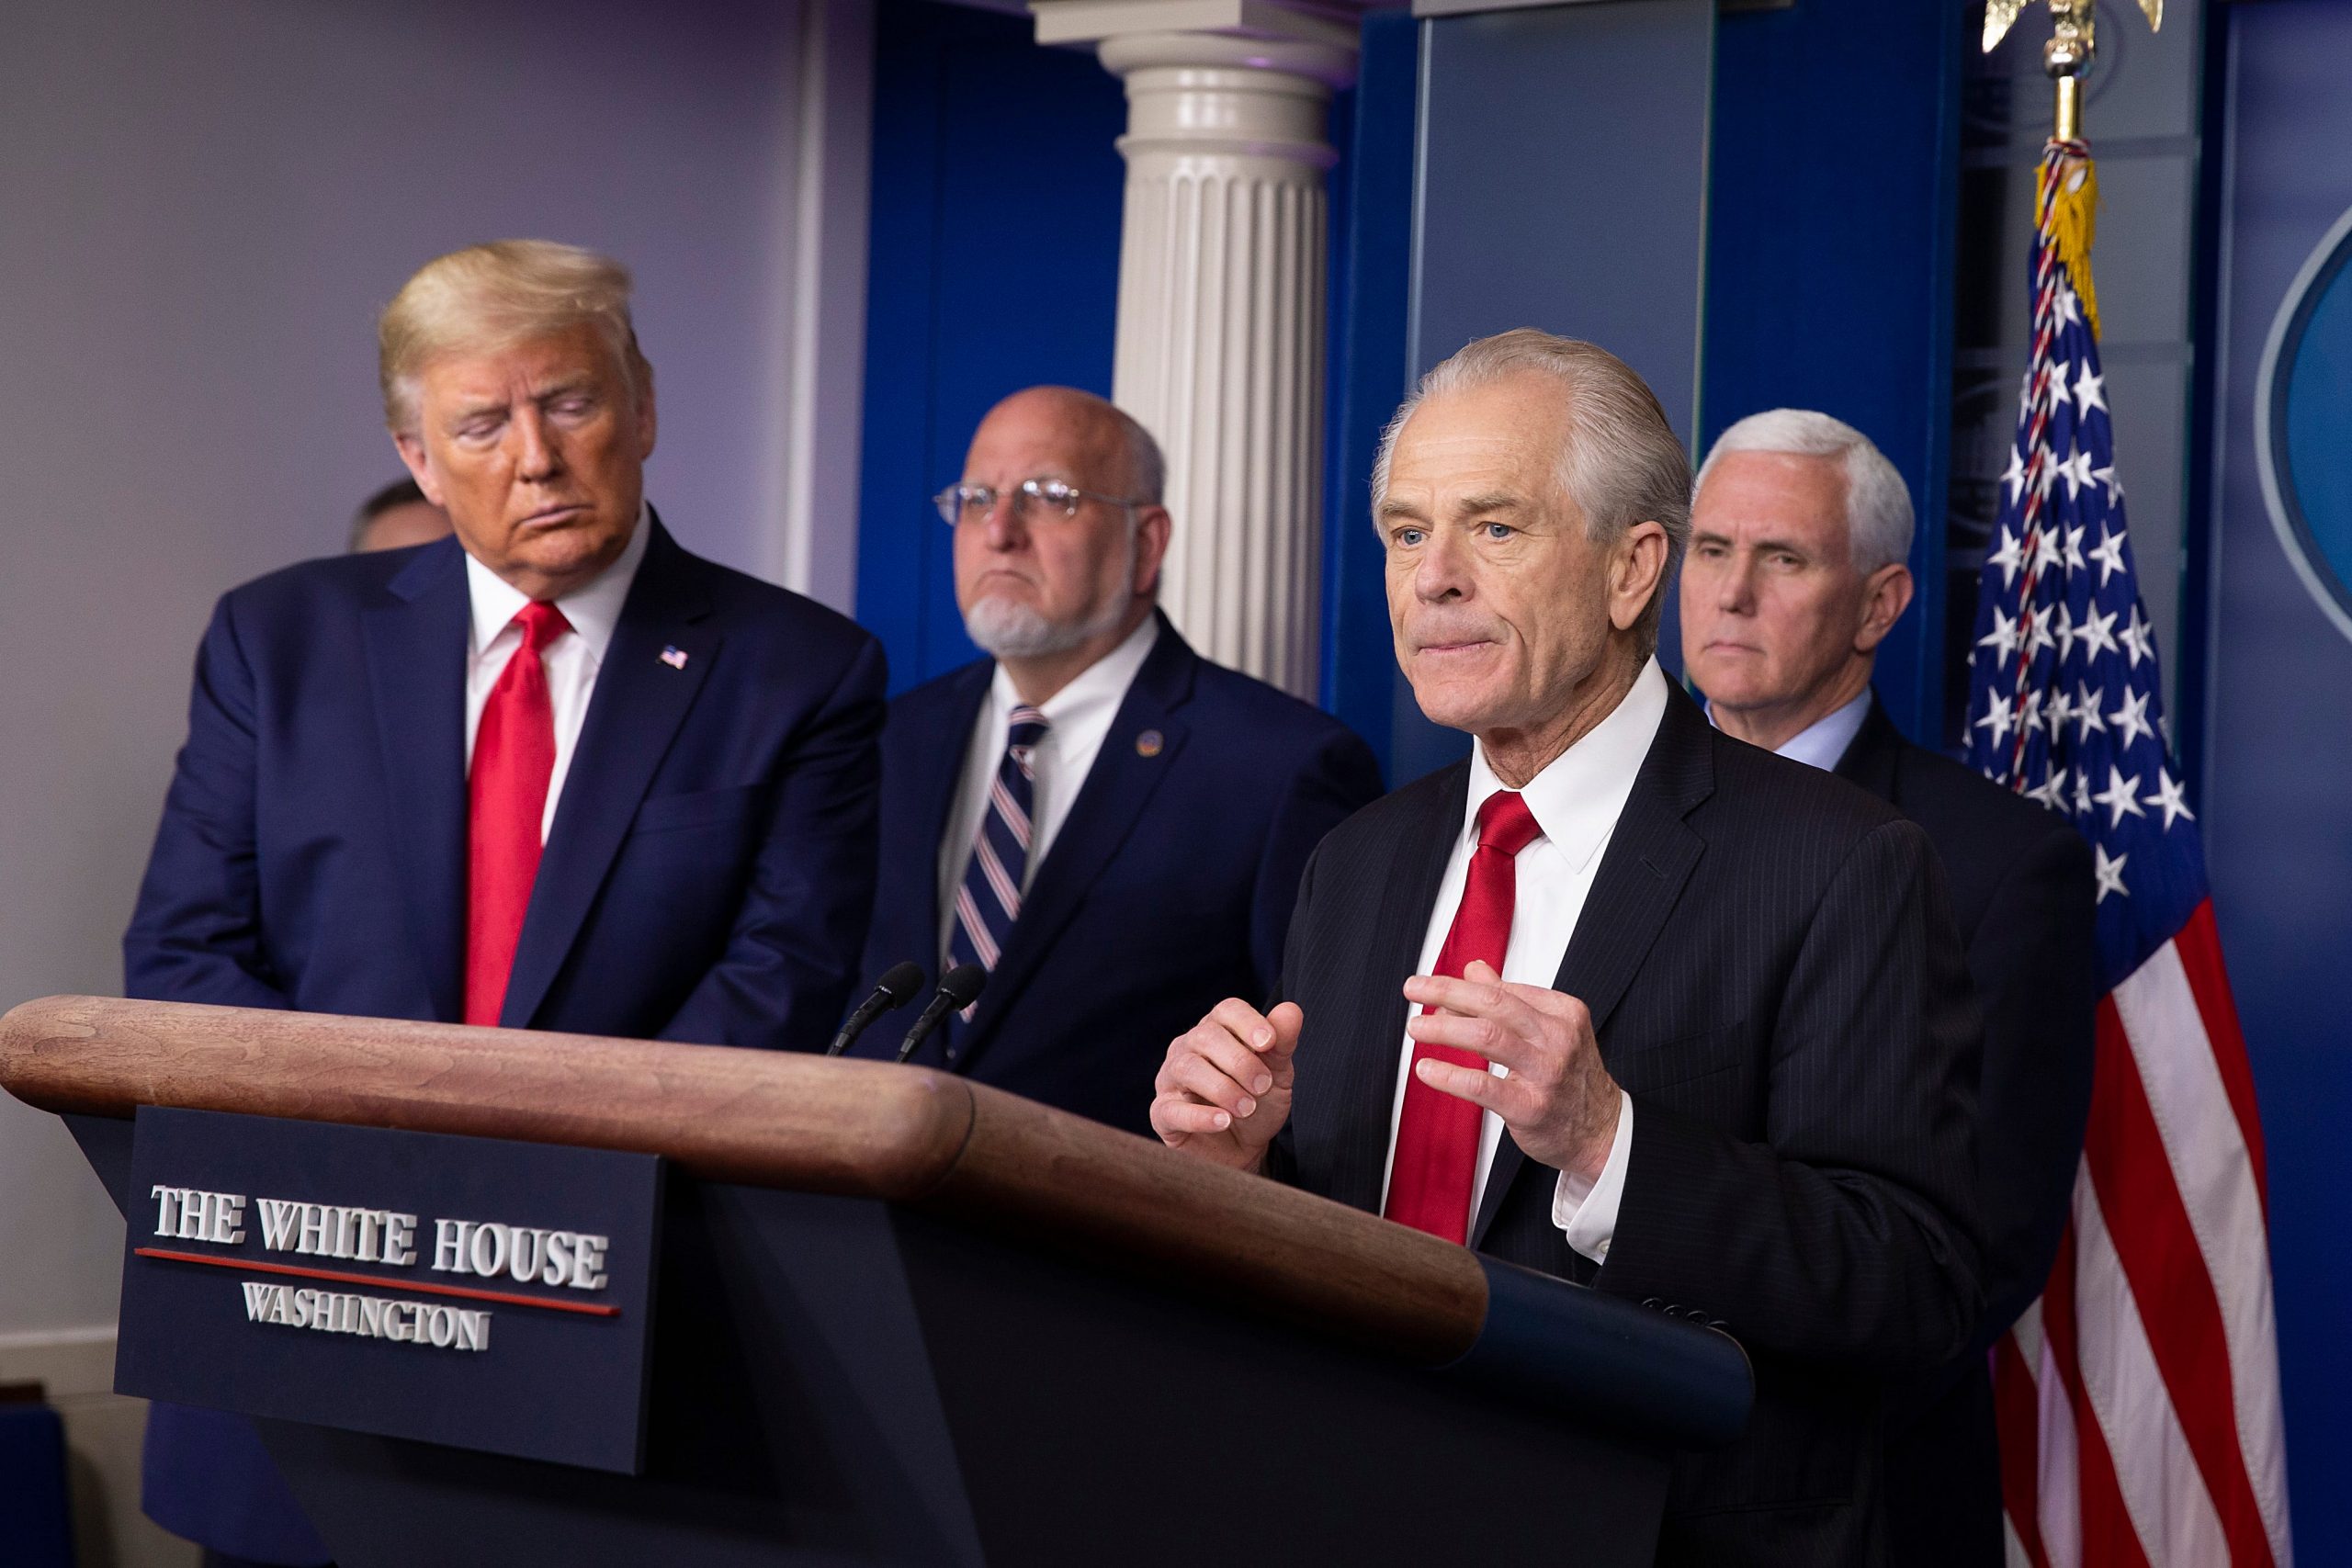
(1373, 1035)
(640, 701)
(1651, 855)
(416, 644)
(1870, 757)
(1118, 786)
(937, 764)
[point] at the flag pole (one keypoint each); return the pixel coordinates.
(2064, 56)
(2067, 55)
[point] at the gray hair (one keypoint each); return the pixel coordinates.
(1877, 504)
(1622, 464)
(1147, 469)
(490, 297)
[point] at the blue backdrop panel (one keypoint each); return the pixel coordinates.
(1832, 205)
(1561, 186)
(994, 265)
(1370, 368)
(2278, 811)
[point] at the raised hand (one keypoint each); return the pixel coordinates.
(1557, 1099)
(1224, 1091)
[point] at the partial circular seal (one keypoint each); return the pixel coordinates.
(2303, 423)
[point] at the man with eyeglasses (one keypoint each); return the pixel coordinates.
(1108, 823)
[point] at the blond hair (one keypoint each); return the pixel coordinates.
(490, 297)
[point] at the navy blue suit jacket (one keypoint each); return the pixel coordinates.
(707, 876)
(708, 873)
(1169, 888)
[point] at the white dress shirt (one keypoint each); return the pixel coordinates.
(1824, 741)
(571, 661)
(1079, 715)
(1576, 800)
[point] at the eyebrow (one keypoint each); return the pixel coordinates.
(1769, 541)
(1498, 500)
(563, 387)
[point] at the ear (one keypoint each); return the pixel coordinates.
(1636, 565)
(1885, 595)
(420, 468)
(648, 426)
(1152, 529)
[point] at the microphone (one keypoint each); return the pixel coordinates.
(958, 988)
(898, 988)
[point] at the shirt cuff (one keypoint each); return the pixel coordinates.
(1585, 1211)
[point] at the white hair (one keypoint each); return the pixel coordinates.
(1621, 463)
(1877, 504)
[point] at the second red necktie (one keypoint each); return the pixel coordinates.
(1436, 1162)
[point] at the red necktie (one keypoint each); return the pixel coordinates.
(507, 799)
(1437, 1137)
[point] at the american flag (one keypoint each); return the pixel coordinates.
(2138, 1400)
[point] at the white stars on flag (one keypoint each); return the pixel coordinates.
(2090, 391)
(2110, 556)
(2171, 799)
(2130, 720)
(2110, 872)
(2118, 796)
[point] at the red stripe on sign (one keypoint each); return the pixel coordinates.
(2017, 1413)
(2109, 1539)
(2154, 1242)
(588, 1309)
(2199, 946)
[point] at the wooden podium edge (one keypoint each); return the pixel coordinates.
(777, 1118)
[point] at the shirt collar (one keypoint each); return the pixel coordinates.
(1579, 795)
(594, 609)
(1101, 686)
(1822, 744)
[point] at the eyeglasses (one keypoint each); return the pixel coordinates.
(1046, 498)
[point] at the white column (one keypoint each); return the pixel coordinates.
(1220, 353)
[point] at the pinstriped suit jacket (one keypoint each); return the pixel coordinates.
(1774, 971)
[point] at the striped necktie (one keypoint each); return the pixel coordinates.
(989, 901)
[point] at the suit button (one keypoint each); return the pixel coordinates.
(1651, 1304)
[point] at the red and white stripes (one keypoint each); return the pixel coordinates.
(2138, 1400)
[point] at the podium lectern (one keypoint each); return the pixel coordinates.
(902, 1318)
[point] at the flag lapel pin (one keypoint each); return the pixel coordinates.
(675, 657)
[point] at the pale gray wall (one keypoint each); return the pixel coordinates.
(202, 207)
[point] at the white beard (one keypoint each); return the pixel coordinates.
(1010, 629)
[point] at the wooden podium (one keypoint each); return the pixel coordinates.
(902, 1318)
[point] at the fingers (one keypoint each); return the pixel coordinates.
(1216, 1072)
(1525, 1028)
(1476, 1084)
(1175, 1118)
(1195, 1071)
(1513, 1051)
(1287, 1020)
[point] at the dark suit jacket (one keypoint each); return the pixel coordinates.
(1771, 967)
(711, 863)
(2024, 898)
(707, 876)
(1168, 888)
